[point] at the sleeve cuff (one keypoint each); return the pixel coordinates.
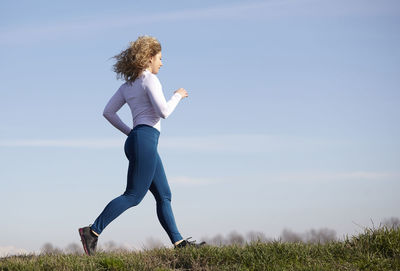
(178, 95)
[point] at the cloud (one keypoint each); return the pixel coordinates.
(73, 28)
(293, 177)
(194, 181)
(246, 143)
(263, 10)
(340, 176)
(226, 143)
(77, 143)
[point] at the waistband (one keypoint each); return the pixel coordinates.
(146, 127)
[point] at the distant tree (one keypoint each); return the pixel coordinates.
(48, 248)
(111, 246)
(217, 240)
(312, 236)
(152, 243)
(254, 236)
(235, 238)
(73, 248)
(320, 236)
(290, 236)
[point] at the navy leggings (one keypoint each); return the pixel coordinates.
(145, 173)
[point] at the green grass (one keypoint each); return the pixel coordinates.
(375, 249)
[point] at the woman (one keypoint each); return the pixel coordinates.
(142, 91)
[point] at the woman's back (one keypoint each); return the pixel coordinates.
(135, 94)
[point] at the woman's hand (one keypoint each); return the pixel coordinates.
(183, 92)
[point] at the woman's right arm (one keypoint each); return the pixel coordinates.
(154, 90)
(110, 112)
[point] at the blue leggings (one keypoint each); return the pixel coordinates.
(145, 173)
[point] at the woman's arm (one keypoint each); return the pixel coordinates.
(110, 112)
(156, 95)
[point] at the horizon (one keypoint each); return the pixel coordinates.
(322, 236)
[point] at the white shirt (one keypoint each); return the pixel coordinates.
(146, 101)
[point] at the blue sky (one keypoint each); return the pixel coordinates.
(291, 121)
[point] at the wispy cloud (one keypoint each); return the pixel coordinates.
(311, 177)
(77, 143)
(227, 143)
(246, 143)
(270, 9)
(195, 181)
(339, 176)
(64, 29)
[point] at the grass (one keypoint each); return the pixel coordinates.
(375, 249)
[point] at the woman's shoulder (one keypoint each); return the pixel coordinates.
(125, 85)
(149, 75)
(150, 78)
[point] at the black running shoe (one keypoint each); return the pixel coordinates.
(187, 243)
(89, 240)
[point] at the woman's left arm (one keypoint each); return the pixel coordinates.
(110, 112)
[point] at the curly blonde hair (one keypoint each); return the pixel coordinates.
(136, 58)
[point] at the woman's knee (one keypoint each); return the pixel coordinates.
(132, 199)
(167, 196)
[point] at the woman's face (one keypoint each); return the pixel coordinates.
(155, 63)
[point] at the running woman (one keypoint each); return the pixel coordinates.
(142, 91)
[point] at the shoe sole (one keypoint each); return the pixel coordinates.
(83, 241)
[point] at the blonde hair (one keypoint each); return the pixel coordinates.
(136, 58)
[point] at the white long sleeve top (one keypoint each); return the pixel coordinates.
(146, 100)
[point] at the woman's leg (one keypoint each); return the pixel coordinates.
(141, 150)
(162, 193)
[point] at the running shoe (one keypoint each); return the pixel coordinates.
(187, 243)
(89, 240)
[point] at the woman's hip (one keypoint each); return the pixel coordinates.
(142, 141)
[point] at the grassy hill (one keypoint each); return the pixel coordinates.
(375, 249)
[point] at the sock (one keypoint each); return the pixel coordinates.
(93, 234)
